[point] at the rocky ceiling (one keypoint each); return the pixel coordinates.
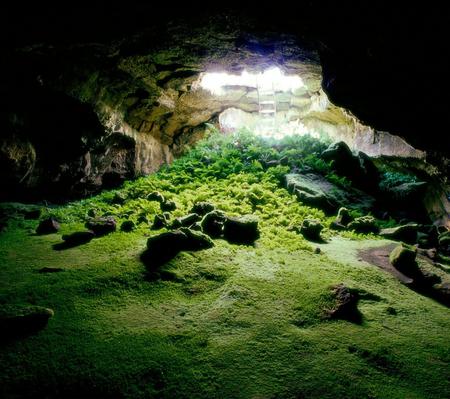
(91, 107)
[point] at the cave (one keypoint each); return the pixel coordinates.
(229, 201)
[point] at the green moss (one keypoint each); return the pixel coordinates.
(231, 321)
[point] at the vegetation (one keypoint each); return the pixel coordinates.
(231, 321)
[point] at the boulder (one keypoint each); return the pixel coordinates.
(48, 226)
(102, 226)
(406, 233)
(165, 246)
(202, 208)
(127, 226)
(156, 196)
(168, 206)
(311, 228)
(316, 191)
(75, 239)
(196, 240)
(241, 229)
(160, 221)
(345, 304)
(19, 320)
(442, 292)
(364, 225)
(142, 219)
(212, 223)
(186, 221)
(343, 217)
(403, 258)
(407, 192)
(343, 161)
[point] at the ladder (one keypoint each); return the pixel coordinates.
(267, 106)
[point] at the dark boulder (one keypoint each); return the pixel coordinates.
(241, 229)
(311, 228)
(202, 208)
(343, 161)
(406, 233)
(165, 246)
(364, 225)
(127, 226)
(156, 196)
(102, 226)
(403, 258)
(168, 206)
(212, 223)
(21, 320)
(160, 221)
(185, 221)
(48, 226)
(345, 304)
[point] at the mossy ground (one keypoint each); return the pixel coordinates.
(227, 322)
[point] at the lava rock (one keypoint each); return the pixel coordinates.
(241, 229)
(212, 223)
(186, 221)
(160, 221)
(311, 228)
(156, 196)
(406, 233)
(75, 239)
(343, 217)
(168, 205)
(196, 240)
(102, 226)
(48, 226)
(403, 258)
(165, 246)
(364, 224)
(127, 226)
(345, 307)
(202, 208)
(20, 320)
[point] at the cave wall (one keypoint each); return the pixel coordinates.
(79, 116)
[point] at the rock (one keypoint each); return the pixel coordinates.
(168, 206)
(19, 320)
(241, 229)
(51, 270)
(142, 219)
(127, 226)
(119, 198)
(156, 196)
(212, 223)
(197, 226)
(406, 233)
(429, 253)
(343, 161)
(442, 292)
(316, 191)
(343, 217)
(311, 228)
(185, 221)
(48, 226)
(345, 306)
(371, 174)
(165, 246)
(364, 225)
(317, 250)
(196, 240)
(75, 239)
(406, 192)
(159, 222)
(102, 226)
(202, 208)
(403, 258)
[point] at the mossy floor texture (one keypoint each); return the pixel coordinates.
(232, 321)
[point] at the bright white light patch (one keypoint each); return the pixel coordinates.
(274, 78)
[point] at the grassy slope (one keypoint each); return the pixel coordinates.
(231, 322)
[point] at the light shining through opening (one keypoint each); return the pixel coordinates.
(273, 78)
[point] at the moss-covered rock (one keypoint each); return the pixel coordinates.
(241, 229)
(403, 258)
(311, 229)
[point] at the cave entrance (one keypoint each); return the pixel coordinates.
(269, 103)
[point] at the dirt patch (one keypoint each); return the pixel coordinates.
(379, 256)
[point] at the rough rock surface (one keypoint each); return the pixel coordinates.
(311, 229)
(21, 320)
(314, 190)
(102, 226)
(241, 229)
(48, 226)
(406, 233)
(345, 306)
